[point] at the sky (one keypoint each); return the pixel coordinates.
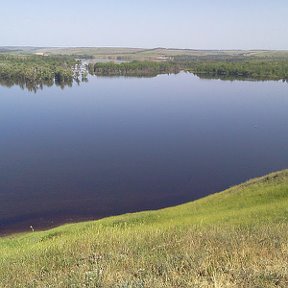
(202, 24)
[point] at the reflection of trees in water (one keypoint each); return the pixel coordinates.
(34, 86)
(211, 76)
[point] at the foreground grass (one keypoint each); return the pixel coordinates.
(237, 238)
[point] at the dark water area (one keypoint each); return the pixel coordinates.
(117, 145)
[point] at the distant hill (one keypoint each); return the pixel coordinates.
(140, 54)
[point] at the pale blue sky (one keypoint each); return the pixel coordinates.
(205, 24)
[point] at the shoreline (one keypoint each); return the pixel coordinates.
(43, 225)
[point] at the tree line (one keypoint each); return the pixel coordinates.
(254, 70)
(33, 71)
(134, 68)
(230, 68)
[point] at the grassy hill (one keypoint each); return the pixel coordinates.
(236, 238)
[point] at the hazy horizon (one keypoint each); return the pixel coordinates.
(144, 48)
(225, 25)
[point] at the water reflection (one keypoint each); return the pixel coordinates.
(117, 145)
(36, 85)
(236, 78)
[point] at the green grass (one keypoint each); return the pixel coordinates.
(236, 238)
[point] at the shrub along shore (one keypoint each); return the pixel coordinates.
(33, 71)
(244, 69)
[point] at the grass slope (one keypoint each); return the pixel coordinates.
(236, 238)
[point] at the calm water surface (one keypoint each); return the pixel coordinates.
(117, 145)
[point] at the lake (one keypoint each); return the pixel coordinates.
(117, 145)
